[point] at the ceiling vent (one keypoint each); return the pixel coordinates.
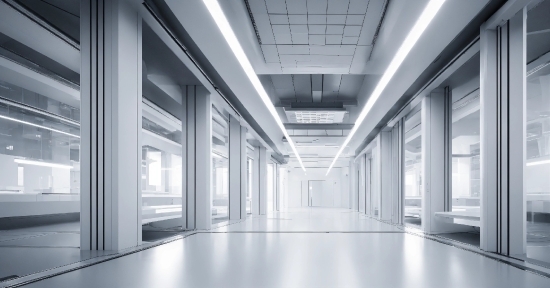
(316, 113)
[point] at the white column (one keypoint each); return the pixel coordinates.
(111, 125)
(235, 170)
(198, 159)
(503, 113)
(259, 191)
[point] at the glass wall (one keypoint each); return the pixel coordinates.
(413, 169)
(161, 174)
(537, 170)
(249, 173)
(465, 127)
(270, 187)
(220, 167)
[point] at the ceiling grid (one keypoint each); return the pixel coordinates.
(316, 36)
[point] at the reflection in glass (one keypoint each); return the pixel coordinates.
(249, 165)
(39, 149)
(465, 129)
(413, 169)
(161, 165)
(270, 186)
(537, 170)
(220, 167)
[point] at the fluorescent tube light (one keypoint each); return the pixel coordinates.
(421, 24)
(39, 126)
(538, 163)
(40, 163)
(219, 17)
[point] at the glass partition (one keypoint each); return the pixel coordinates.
(465, 135)
(537, 169)
(161, 173)
(249, 165)
(270, 186)
(413, 169)
(220, 167)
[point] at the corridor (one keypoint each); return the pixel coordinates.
(303, 247)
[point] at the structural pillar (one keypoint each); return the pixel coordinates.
(198, 158)
(503, 134)
(259, 190)
(110, 125)
(235, 168)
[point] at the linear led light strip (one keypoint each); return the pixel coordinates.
(219, 17)
(421, 24)
(39, 126)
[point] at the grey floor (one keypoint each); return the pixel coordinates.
(293, 249)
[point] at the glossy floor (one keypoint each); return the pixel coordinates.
(293, 249)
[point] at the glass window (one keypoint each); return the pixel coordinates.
(249, 165)
(161, 174)
(220, 167)
(537, 170)
(465, 129)
(270, 186)
(413, 169)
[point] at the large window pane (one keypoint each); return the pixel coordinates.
(220, 167)
(161, 165)
(413, 169)
(270, 186)
(537, 170)
(465, 179)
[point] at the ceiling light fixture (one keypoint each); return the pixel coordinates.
(535, 163)
(421, 24)
(219, 17)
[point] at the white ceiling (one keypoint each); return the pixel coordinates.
(316, 87)
(316, 36)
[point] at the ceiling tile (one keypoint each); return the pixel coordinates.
(317, 6)
(299, 38)
(296, 7)
(281, 29)
(298, 29)
(257, 6)
(297, 19)
(278, 19)
(355, 19)
(276, 6)
(337, 6)
(293, 49)
(348, 31)
(336, 19)
(350, 40)
(333, 39)
(335, 29)
(264, 28)
(335, 50)
(302, 86)
(270, 53)
(358, 6)
(283, 39)
(317, 19)
(372, 18)
(282, 81)
(316, 39)
(317, 29)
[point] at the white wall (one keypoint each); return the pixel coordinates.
(338, 178)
